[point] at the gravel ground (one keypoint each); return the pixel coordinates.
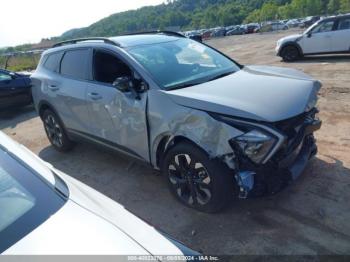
(309, 217)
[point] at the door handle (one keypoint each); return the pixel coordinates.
(53, 87)
(95, 96)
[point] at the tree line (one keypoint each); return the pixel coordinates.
(196, 14)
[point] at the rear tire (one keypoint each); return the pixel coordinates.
(55, 132)
(290, 53)
(196, 180)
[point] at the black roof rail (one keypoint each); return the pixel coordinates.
(74, 41)
(171, 33)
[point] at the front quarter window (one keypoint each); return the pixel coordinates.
(26, 201)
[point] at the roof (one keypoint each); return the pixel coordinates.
(335, 17)
(124, 41)
(142, 39)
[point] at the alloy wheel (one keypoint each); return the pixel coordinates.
(190, 179)
(54, 131)
(291, 53)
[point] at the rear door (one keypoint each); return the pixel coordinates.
(341, 36)
(319, 39)
(67, 89)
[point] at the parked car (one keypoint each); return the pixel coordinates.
(273, 26)
(251, 28)
(15, 89)
(293, 23)
(328, 36)
(279, 26)
(44, 211)
(196, 36)
(206, 34)
(238, 30)
(215, 128)
(219, 32)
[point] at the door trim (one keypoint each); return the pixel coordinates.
(75, 134)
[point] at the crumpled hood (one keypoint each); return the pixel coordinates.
(262, 93)
(290, 38)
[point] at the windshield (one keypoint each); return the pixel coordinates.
(25, 200)
(182, 63)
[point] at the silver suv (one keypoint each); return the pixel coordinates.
(216, 129)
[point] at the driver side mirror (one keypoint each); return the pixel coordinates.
(123, 83)
(129, 84)
(309, 35)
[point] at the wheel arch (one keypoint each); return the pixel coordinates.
(43, 106)
(291, 43)
(168, 141)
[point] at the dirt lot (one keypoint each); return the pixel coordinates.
(310, 217)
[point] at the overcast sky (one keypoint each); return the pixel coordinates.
(28, 21)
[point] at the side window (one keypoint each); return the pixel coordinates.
(52, 62)
(344, 24)
(323, 27)
(75, 63)
(4, 77)
(107, 67)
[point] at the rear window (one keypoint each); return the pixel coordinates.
(75, 63)
(25, 200)
(52, 62)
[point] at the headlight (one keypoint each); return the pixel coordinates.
(255, 144)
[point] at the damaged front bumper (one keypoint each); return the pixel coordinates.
(283, 168)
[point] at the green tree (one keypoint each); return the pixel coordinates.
(333, 6)
(344, 6)
(253, 17)
(269, 11)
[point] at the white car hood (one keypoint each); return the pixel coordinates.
(141, 232)
(74, 230)
(290, 38)
(88, 223)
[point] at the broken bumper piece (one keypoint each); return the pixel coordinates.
(274, 176)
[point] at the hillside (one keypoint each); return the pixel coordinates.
(194, 14)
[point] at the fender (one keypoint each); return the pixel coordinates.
(292, 43)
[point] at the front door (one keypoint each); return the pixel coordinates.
(117, 118)
(318, 40)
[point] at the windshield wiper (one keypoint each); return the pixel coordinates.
(184, 85)
(193, 83)
(221, 75)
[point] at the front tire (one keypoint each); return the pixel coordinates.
(195, 180)
(55, 132)
(290, 53)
